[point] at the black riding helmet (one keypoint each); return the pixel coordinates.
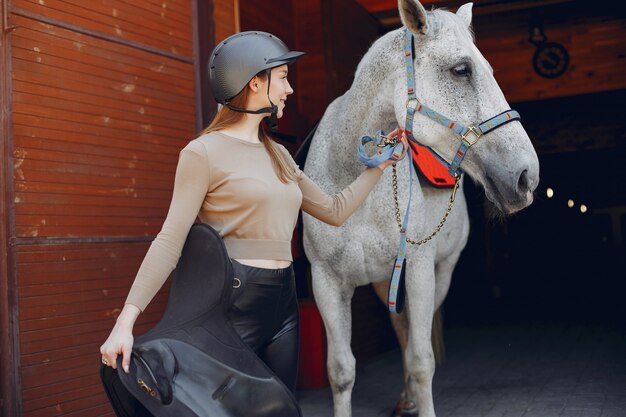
(238, 58)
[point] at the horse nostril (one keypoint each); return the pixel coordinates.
(523, 183)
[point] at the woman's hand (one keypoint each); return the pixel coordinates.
(120, 341)
(403, 140)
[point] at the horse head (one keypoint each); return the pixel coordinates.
(453, 78)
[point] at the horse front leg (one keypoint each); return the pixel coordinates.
(405, 407)
(419, 357)
(333, 301)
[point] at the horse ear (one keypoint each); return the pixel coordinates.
(465, 13)
(413, 16)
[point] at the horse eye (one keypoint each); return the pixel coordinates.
(462, 70)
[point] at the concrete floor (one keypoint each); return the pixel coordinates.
(503, 371)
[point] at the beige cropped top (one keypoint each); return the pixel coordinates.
(230, 184)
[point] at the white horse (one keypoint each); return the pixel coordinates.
(453, 78)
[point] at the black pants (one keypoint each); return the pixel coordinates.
(265, 314)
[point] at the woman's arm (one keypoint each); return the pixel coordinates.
(190, 187)
(336, 209)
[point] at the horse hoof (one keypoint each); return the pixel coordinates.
(405, 409)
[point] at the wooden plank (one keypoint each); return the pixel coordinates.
(107, 268)
(69, 406)
(102, 120)
(97, 132)
(89, 102)
(37, 176)
(49, 50)
(80, 392)
(128, 172)
(226, 17)
(143, 93)
(63, 387)
(37, 254)
(90, 190)
(69, 138)
(66, 321)
(163, 36)
(53, 141)
(99, 406)
(97, 107)
(135, 211)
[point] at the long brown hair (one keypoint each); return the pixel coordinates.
(226, 117)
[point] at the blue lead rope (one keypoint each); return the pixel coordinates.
(396, 286)
(391, 151)
(385, 152)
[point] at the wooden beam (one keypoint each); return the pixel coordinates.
(226, 18)
(10, 385)
(376, 6)
(203, 43)
(386, 11)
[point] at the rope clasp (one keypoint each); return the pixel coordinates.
(386, 140)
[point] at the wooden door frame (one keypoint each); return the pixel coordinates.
(203, 43)
(10, 382)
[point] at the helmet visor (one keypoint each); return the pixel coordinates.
(287, 58)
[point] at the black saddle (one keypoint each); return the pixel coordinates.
(193, 363)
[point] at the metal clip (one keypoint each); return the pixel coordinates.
(386, 140)
(146, 388)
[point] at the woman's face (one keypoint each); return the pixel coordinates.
(279, 88)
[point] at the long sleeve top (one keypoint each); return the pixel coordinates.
(231, 184)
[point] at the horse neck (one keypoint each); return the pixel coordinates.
(368, 105)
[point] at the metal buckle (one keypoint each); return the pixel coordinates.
(146, 388)
(236, 282)
(411, 103)
(475, 131)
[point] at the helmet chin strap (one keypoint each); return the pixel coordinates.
(272, 119)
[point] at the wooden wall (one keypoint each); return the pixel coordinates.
(102, 100)
(281, 21)
(226, 18)
(595, 38)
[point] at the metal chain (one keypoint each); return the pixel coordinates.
(443, 220)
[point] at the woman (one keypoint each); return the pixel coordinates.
(235, 178)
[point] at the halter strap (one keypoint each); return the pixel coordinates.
(469, 135)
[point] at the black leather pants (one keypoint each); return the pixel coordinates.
(265, 314)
